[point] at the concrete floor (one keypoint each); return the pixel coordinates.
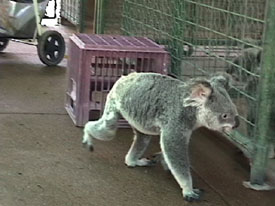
(42, 161)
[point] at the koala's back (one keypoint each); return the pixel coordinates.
(145, 98)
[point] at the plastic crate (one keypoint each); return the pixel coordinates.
(97, 61)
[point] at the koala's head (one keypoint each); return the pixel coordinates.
(248, 61)
(215, 109)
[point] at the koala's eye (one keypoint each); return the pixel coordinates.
(224, 116)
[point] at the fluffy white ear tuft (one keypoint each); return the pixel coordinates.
(222, 79)
(201, 92)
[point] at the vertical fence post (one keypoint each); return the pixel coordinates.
(99, 28)
(37, 17)
(82, 15)
(267, 85)
(177, 50)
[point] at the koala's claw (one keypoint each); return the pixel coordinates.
(143, 162)
(152, 162)
(129, 166)
(90, 147)
(157, 157)
(194, 195)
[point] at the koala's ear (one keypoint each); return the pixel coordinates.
(222, 79)
(201, 91)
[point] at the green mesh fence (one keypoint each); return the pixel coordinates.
(207, 36)
(74, 11)
(109, 16)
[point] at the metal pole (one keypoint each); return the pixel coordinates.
(82, 15)
(266, 100)
(99, 17)
(178, 31)
(37, 17)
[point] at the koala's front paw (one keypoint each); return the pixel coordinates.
(194, 195)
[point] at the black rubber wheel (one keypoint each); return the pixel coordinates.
(3, 43)
(51, 48)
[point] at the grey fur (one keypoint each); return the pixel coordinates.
(250, 60)
(155, 104)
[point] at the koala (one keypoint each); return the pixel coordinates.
(155, 104)
(250, 60)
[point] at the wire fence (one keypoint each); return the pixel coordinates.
(205, 37)
(75, 12)
(70, 10)
(112, 16)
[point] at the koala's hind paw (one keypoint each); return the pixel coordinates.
(157, 157)
(147, 162)
(143, 162)
(90, 147)
(87, 142)
(194, 195)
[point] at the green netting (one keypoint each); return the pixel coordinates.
(206, 36)
(71, 10)
(194, 23)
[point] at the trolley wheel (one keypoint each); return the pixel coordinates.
(51, 48)
(3, 43)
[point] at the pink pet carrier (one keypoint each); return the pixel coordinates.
(97, 61)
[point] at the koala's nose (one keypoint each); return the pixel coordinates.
(237, 122)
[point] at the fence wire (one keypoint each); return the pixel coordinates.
(74, 11)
